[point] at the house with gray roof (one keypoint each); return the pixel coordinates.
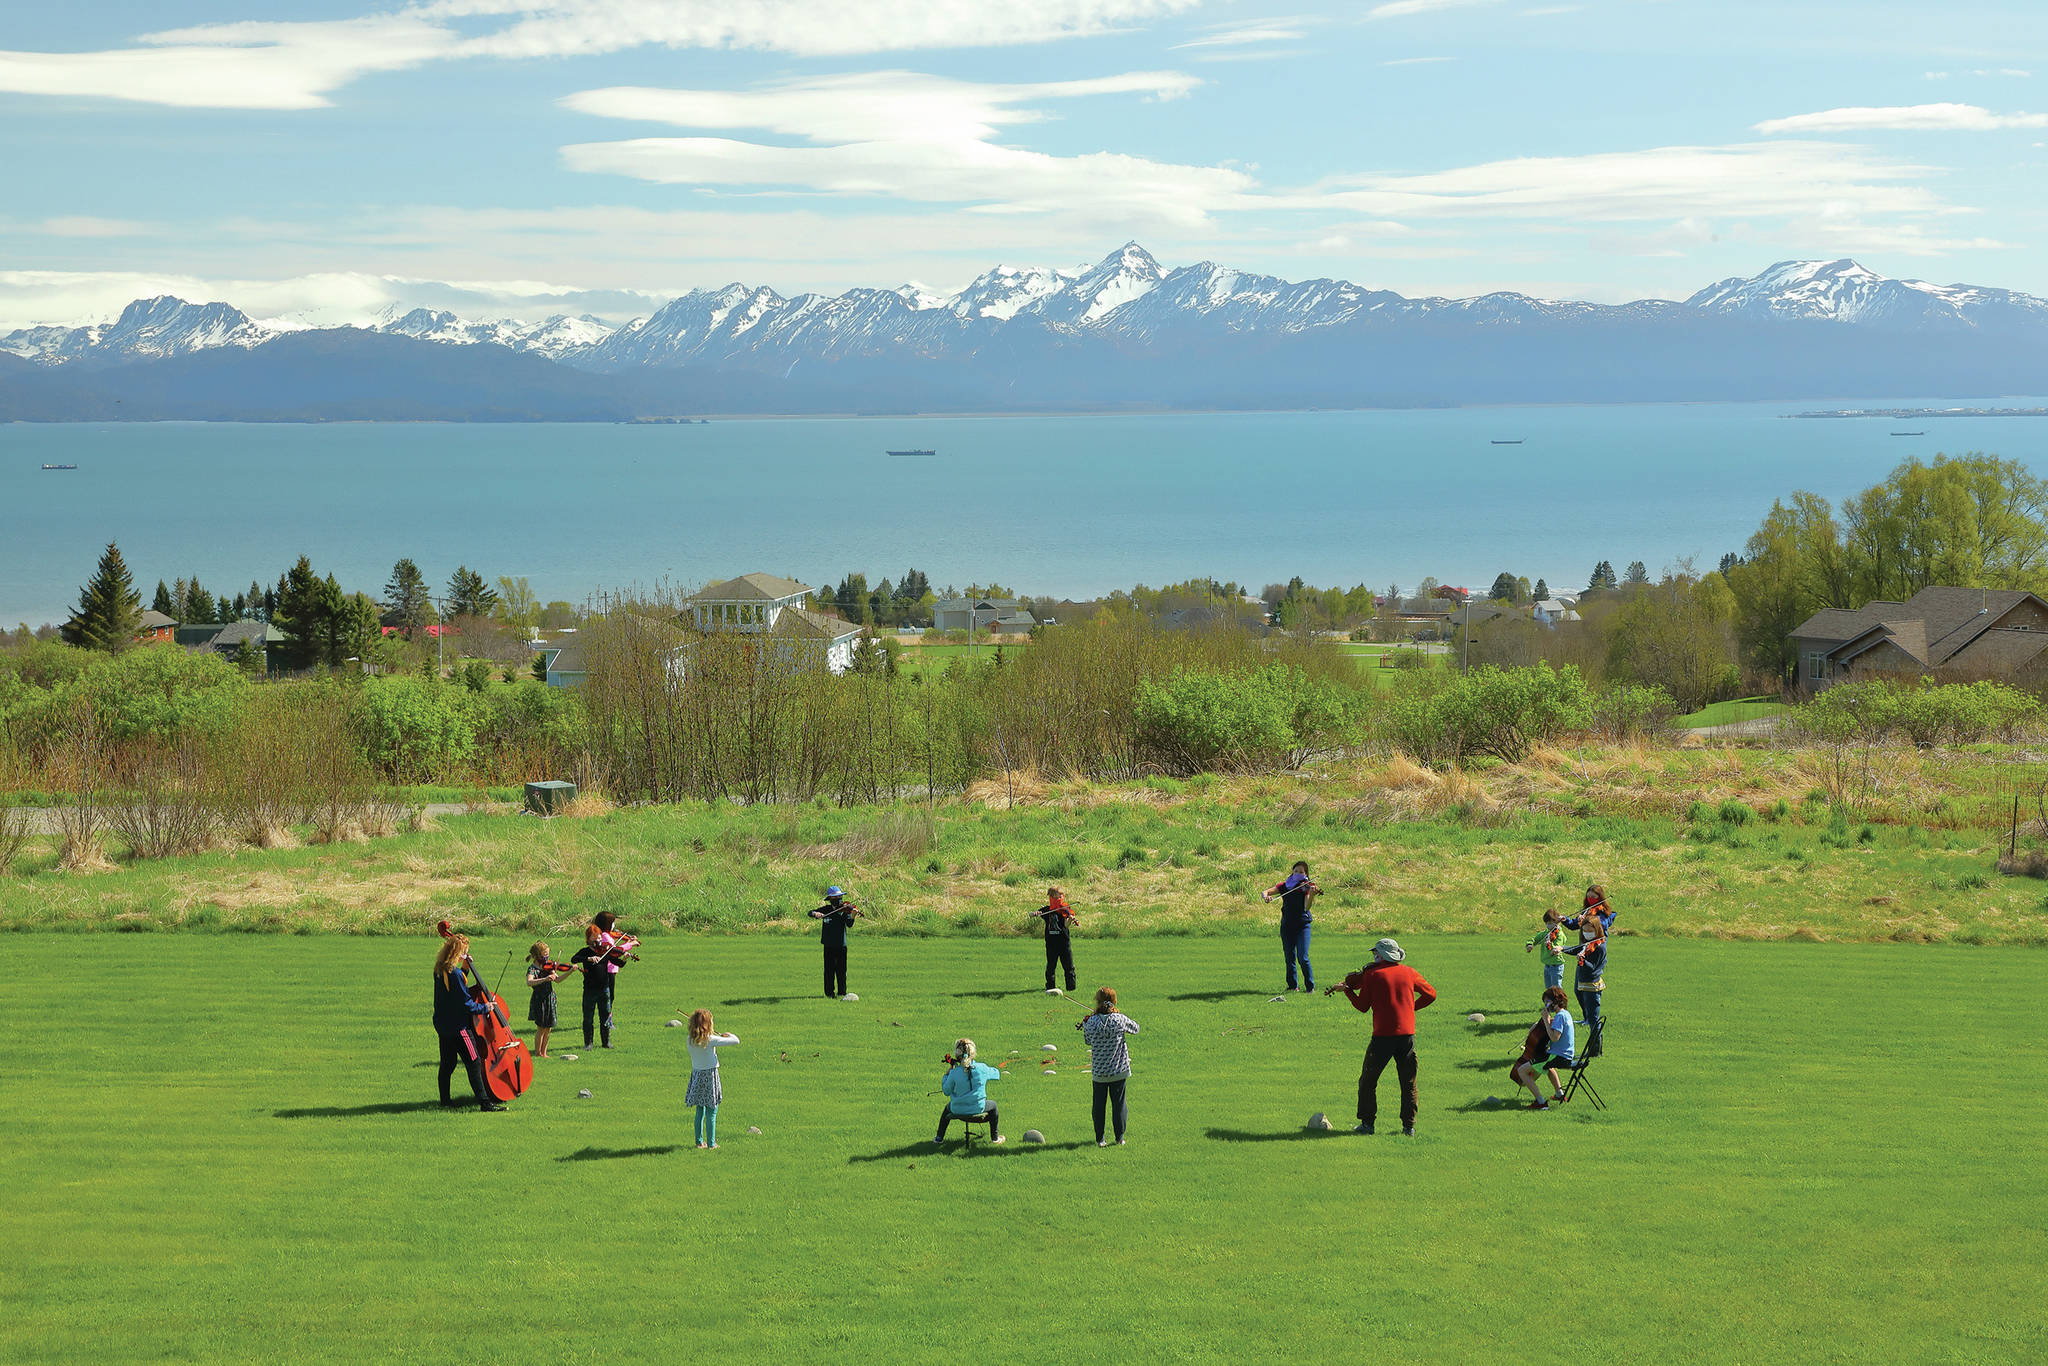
(981, 614)
(217, 638)
(1959, 633)
(753, 605)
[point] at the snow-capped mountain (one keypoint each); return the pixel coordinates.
(553, 338)
(1125, 331)
(148, 329)
(1845, 292)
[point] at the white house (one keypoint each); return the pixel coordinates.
(1551, 611)
(765, 605)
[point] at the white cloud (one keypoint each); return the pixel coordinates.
(869, 106)
(1259, 31)
(1775, 180)
(265, 65)
(1968, 118)
(906, 136)
(1402, 9)
(232, 66)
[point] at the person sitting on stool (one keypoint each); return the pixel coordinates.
(966, 1088)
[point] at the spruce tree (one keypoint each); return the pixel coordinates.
(407, 604)
(162, 602)
(1542, 592)
(109, 608)
(1638, 573)
(301, 614)
(469, 595)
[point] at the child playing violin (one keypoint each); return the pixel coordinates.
(542, 972)
(705, 1091)
(1058, 918)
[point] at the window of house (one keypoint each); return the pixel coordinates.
(1816, 666)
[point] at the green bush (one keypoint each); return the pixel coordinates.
(1279, 716)
(1735, 812)
(1489, 712)
(416, 728)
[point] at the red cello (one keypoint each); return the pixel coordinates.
(507, 1066)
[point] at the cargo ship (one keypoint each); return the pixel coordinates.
(913, 452)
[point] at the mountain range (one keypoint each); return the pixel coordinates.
(1124, 333)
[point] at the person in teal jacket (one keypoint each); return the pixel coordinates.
(966, 1088)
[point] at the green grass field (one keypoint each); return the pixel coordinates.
(1728, 713)
(225, 1149)
(935, 658)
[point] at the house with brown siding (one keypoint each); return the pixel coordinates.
(1957, 633)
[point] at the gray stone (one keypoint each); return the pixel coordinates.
(1280, 999)
(568, 1057)
(1476, 1018)
(673, 1024)
(1033, 1136)
(752, 1130)
(1319, 1120)
(1048, 1048)
(849, 996)
(583, 1095)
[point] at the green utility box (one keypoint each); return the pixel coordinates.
(548, 799)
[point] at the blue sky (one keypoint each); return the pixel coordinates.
(323, 160)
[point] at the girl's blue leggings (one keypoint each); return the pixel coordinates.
(707, 1123)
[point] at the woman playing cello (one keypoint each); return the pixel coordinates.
(455, 1014)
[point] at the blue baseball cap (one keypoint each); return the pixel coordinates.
(833, 894)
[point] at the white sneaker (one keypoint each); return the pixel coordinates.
(849, 996)
(1000, 1138)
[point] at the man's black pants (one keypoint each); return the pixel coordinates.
(597, 1003)
(835, 969)
(1398, 1049)
(1059, 952)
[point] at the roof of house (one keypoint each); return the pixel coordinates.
(1998, 651)
(1907, 636)
(978, 604)
(566, 658)
(751, 588)
(1932, 626)
(154, 620)
(1426, 607)
(1556, 606)
(804, 624)
(1467, 613)
(1842, 623)
(232, 635)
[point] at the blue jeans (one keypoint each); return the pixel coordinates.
(1553, 974)
(1589, 1010)
(1294, 947)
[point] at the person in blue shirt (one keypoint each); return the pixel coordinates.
(1557, 1028)
(966, 1088)
(838, 914)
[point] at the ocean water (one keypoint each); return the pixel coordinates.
(1068, 506)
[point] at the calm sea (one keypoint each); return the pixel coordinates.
(1070, 506)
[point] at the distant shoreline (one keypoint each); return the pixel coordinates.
(1914, 413)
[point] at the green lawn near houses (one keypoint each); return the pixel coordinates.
(226, 1149)
(1730, 712)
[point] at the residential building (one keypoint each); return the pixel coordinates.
(1551, 611)
(227, 638)
(762, 604)
(753, 605)
(981, 614)
(1961, 633)
(153, 627)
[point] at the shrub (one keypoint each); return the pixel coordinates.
(1278, 716)
(415, 729)
(1735, 812)
(1630, 711)
(1501, 713)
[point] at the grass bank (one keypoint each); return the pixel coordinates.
(1705, 843)
(240, 1159)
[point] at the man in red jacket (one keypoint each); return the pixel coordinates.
(1393, 993)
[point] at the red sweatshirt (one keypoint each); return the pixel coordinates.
(1393, 992)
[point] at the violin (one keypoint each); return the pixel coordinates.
(552, 967)
(507, 1066)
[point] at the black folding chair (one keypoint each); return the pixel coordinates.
(967, 1123)
(1585, 1059)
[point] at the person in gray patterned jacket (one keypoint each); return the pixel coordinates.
(1109, 1060)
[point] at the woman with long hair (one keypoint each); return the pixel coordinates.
(455, 1013)
(1109, 1060)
